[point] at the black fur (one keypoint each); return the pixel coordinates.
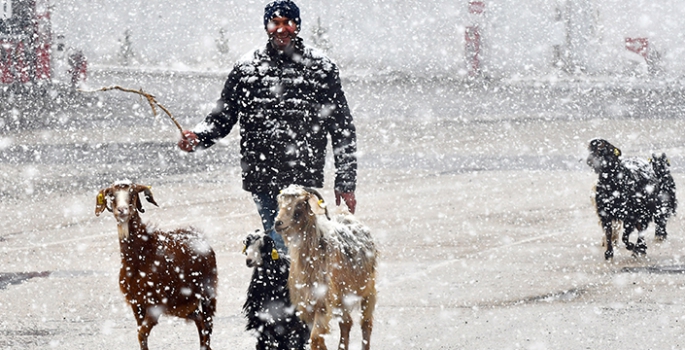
(630, 191)
(268, 309)
(667, 202)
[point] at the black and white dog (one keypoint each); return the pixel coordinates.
(630, 191)
(268, 309)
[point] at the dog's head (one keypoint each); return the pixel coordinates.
(602, 155)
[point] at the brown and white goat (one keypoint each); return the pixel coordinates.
(333, 265)
(171, 273)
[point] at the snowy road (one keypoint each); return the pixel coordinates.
(480, 204)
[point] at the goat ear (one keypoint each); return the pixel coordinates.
(148, 196)
(147, 191)
(101, 202)
(317, 205)
(617, 152)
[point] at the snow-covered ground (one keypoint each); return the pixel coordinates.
(479, 200)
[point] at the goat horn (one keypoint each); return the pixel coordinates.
(136, 189)
(321, 202)
(147, 191)
(314, 192)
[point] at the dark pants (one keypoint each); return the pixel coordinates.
(267, 206)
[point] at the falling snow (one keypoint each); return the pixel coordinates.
(472, 173)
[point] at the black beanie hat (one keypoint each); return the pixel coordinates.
(282, 8)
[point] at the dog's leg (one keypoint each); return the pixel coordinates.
(628, 228)
(616, 228)
(660, 231)
(641, 246)
(608, 232)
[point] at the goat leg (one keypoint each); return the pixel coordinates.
(321, 327)
(144, 329)
(139, 312)
(345, 327)
(204, 328)
(368, 306)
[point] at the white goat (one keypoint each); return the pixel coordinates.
(333, 265)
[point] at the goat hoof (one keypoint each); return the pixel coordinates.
(660, 237)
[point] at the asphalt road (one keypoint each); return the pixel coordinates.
(480, 203)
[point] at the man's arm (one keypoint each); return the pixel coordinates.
(344, 139)
(219, 122)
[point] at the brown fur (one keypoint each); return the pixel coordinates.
(333, 266)
(171, 273)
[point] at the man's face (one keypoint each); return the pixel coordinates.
(282, 31)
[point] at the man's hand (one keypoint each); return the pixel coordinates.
(189, 141)
(349, 199)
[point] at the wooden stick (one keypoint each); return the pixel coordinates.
(150, 99)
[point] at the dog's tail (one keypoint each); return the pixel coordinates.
(666, 185)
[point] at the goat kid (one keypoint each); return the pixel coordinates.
(171, 273)
(333, 265)
(268, 309)
(627, 191)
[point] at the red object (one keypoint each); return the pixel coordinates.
(638, 45)
(25, 40)
(6, 59)
(349, 199)
(476, 7)
(21, 64)
(472, 49)
(189, 141)
(44, 35)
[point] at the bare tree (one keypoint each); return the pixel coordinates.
(320, 36)
(126, 53)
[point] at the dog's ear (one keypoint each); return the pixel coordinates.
(665, 159)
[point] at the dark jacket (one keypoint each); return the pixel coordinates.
(286, 104)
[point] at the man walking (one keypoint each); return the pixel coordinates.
(287, 98)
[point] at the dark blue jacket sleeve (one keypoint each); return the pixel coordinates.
(343, 134)
(224, 115)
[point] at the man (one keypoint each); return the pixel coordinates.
(287, 98)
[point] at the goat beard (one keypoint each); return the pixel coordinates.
(122, 228)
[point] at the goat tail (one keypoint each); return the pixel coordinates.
(208, 298)
(209, 306)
